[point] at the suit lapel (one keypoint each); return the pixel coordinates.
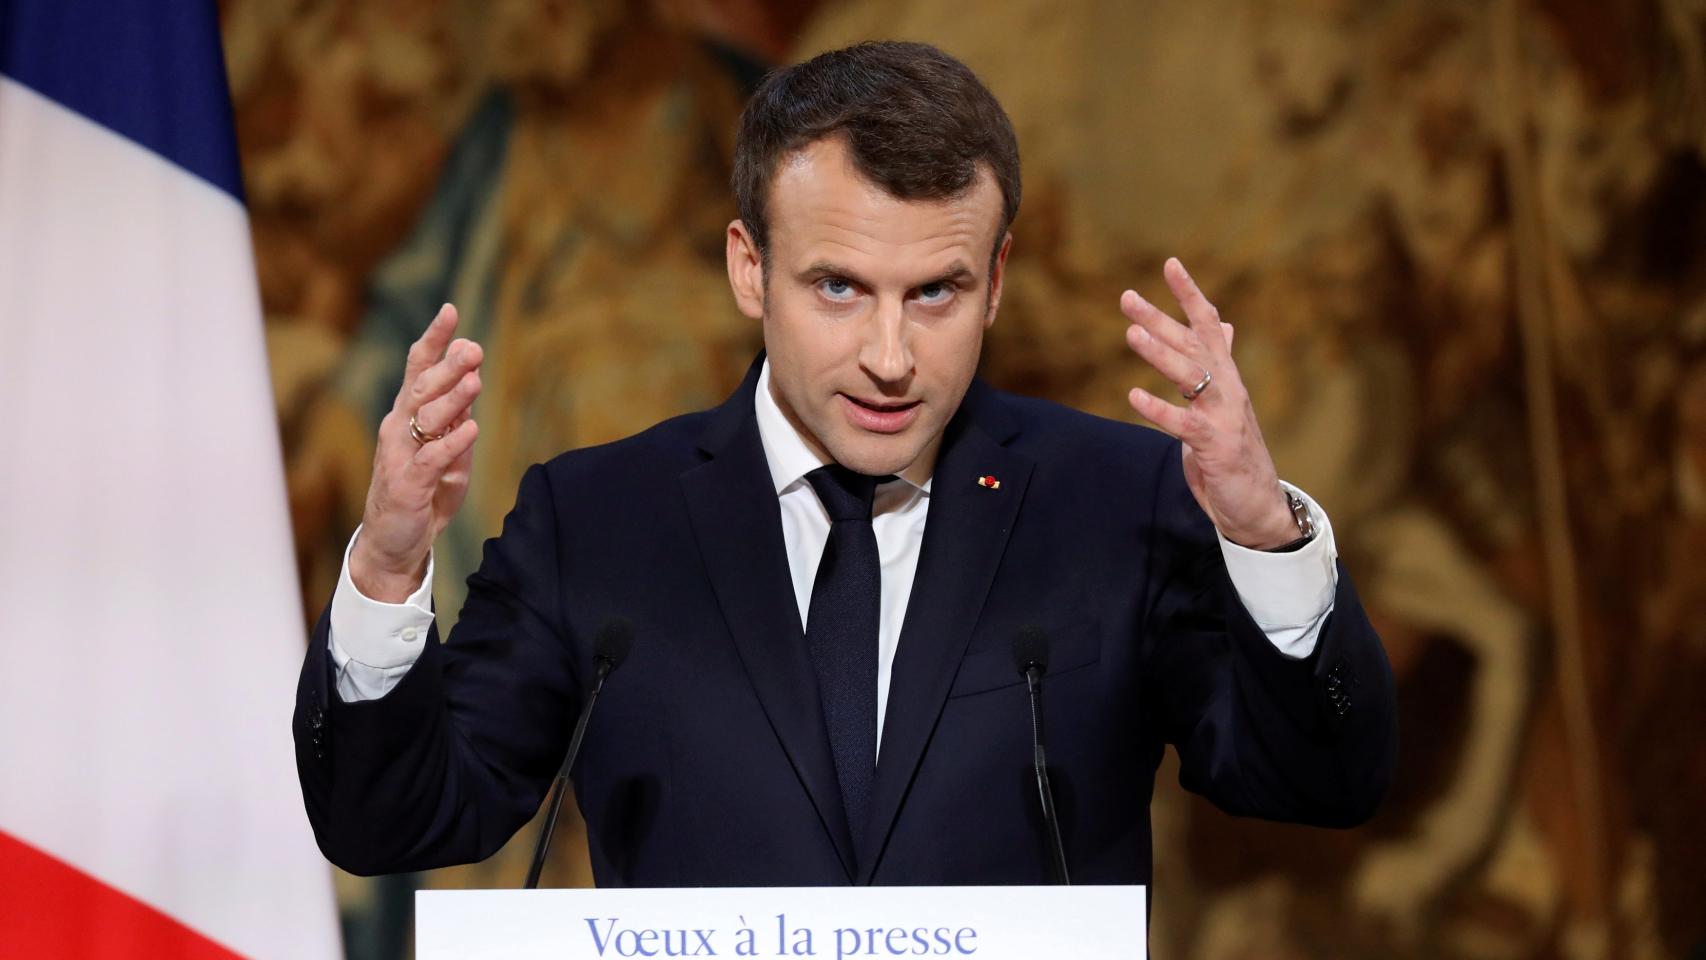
(964, 538)
(738, 524)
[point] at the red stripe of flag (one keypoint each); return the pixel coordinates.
(49, 908)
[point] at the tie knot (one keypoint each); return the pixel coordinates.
(845, 494)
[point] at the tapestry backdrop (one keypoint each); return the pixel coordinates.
(1464, 244)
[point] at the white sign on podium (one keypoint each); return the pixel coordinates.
(832, 923)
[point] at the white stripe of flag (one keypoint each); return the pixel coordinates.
(149, 622)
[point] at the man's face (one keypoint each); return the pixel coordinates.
(874, 309)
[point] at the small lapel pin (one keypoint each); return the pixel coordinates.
(989, 481)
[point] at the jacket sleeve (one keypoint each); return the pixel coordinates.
(1259, 734)
(456, 757)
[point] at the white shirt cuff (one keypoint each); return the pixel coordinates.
(1289, 595)
(374, 643)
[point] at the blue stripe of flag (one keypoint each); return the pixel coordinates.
(150, 70)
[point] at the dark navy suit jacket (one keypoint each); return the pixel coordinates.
(708, 763)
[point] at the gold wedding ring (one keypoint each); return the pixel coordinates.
(1196, 391)
(421, 437)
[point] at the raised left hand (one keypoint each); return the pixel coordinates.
(1226, 462)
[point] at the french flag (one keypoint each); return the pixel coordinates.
(149, 623)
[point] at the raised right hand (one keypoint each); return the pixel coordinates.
(417, 487)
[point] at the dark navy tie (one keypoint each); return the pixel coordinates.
(841, 632)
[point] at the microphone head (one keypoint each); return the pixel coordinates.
(614, 639)
(1030, 649)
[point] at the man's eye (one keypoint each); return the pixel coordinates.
(934, 292)
(835, 288)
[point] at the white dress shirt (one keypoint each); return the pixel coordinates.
(1289, 595)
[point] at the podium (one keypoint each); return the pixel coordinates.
(834, 923)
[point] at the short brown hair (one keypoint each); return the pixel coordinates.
(917, 124)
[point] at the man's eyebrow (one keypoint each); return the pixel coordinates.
(824, 268)
(954, 274)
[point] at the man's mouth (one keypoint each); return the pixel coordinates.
(879, 416)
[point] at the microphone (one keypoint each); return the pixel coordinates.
(1030, 656)
(610, 647)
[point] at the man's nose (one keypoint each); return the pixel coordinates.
(886, 353)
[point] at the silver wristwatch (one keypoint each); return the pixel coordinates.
(1303, 518)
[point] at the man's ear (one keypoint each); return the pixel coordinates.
(997, 273)
(746, 270)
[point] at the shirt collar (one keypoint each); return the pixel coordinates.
(785, 451)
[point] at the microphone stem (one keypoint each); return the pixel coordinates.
(1033, 679)
(561, 784)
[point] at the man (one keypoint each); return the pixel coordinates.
(828, 571)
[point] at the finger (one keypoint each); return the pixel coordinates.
(427, 350)
(433, 459)
(440, 415)
(1226, 328)
(1160, 326)
(1181, 422)
(1204, 318)
(463, 357)
(1183, 371)
(463, 464)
